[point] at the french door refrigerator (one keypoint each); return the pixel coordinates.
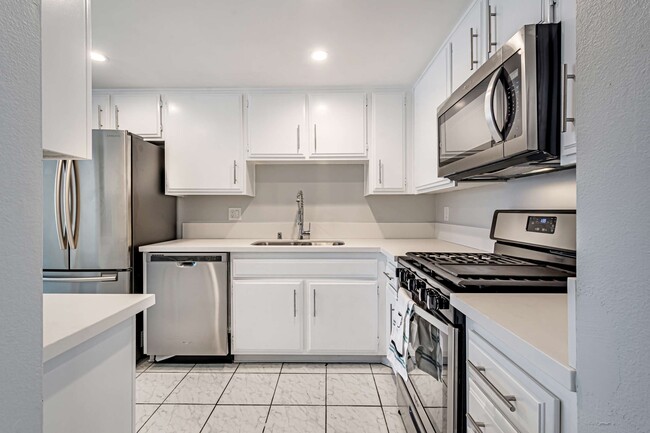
(98, 212)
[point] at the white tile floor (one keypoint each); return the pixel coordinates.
(266, 398)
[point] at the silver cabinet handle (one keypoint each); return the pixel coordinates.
(314, 302)
(505, 399)
(390, 277)
(476, 426)
(380, 168)
(104, 278)
(117, 118)
(315, 140)
(472, 35)
(567, 77)
(298, 139)
(70, 194)
(100, 125)
(58, 217)
(234, 172)
(294, 302)
(490, 15)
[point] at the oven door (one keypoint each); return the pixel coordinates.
(427, 402)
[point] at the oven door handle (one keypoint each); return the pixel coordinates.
(452, 379)
(490, 118)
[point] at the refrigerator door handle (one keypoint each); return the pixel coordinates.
(58, 217)
(103, 278)
(71, 193)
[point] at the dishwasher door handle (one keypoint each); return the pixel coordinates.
(186, 264)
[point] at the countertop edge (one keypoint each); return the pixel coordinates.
(84, 334)
(564, 375)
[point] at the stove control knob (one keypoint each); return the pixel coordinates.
(443, 303)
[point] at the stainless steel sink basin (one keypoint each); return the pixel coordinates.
(297, 243)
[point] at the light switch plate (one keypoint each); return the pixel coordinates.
(234, 214)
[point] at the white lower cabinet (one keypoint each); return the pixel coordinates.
(483, 416)
(343, 317)
(266, 317)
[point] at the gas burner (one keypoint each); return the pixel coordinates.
(467, 259)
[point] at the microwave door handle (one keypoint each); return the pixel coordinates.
(490, 118)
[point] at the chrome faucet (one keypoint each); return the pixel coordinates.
(302, 233)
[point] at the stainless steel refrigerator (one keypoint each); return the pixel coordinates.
(98, 212)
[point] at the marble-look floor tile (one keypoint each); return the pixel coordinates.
(348, 368)
(181, 418)
(341, 419)
(394, 420)
(438, 417)
(432, 392)
(237, 419)
(300, 389)
(155, 387)
(294, 367)
(381, 369)
(142, 366)
(142, 414)
(260, 367)
(351, 390)
(170, 368)
(215, 368)
(387, 389)
(200, 388)
(250, 389)
(296, 419)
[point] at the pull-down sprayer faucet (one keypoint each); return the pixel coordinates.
(302, 233)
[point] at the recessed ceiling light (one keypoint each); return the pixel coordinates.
(98, 57)
(319, 55)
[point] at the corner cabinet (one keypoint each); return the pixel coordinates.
(66, 79)
(204, 144)
(386, 172)
(338, 125)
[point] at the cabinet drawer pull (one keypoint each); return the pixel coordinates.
(505, 399)
(388, 276)
(476, 426)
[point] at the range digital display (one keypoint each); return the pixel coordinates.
(541, 224)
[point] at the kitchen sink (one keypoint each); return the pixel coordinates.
(297, 243)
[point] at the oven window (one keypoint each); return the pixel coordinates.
(427, 370)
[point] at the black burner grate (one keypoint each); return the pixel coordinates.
(468, 259)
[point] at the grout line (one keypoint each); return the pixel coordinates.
(272, 398)
(217, 402)
(381, 404)
(326, 397)
(150, 416)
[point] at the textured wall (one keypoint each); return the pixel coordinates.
(333, 193)
(20, 218)
(474, 207)
(613, 303)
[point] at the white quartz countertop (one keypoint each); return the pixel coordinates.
(533, 325)
(71, 319)
(390, 247)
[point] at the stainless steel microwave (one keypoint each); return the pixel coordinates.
(504, 121)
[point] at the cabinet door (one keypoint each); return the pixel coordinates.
(342, 317)
(507, 17)
(338, 125)
(466, 46)
(139, 113)
(204, 143)
(428, 94)
(101, 111)
(565, 12)
(388, 138)
(66, 79)
(267, 317)
(277, 126)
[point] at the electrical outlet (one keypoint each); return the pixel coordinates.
(234, 214)
(445, 215)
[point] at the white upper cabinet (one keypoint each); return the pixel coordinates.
(204, 146)
(428, 94)
(467, 46)
(338, 125)
(388, 143)
(277, 125)
(506, 17)
(343, 317)
(139, 113)
(564, 11)
(101, 111)
(66, 79)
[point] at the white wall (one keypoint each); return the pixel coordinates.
(333, 193)
(475, 207)
(613, 294)
(20, 218)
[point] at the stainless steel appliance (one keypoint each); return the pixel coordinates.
(504, 121)
(191, 312)
(534, 252)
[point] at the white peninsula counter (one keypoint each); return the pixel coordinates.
(89, 362)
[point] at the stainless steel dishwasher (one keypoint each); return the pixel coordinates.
(190, 316)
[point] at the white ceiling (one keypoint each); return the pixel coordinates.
(266, 43)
